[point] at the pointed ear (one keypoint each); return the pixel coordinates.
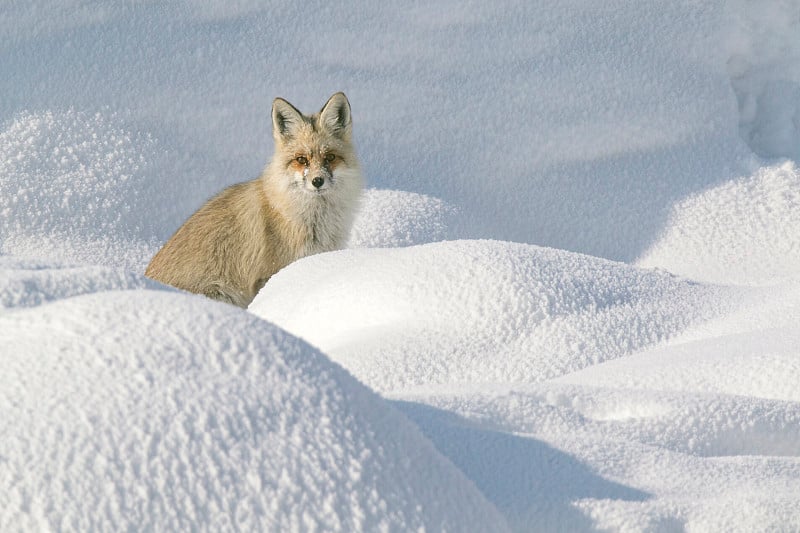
(286, 119)
(335, 115)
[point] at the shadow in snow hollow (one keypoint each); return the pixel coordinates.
(533, 484)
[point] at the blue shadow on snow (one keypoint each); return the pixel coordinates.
(533, 484)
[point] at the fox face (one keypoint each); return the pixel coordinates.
(314, 154)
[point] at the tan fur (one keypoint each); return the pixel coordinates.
(234, 243)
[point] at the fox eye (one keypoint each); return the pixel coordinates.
(303, 160)
(329, 158)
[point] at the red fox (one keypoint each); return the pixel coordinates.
(303, 203)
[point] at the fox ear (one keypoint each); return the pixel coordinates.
(286, 119)
(335, 115)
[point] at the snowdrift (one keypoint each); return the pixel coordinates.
(645, 400)
(479, 311)
(744, 232)
(619, 353)
(141, 409)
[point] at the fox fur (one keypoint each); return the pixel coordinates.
(303, 203)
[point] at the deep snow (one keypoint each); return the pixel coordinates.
(573, 283)
(225, 422)
(480, 311)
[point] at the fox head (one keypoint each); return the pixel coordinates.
(314, 154)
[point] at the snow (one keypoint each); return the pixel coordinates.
(148, 409)
(480, 311)
(616, 365)
(570, 300)
(741, 232)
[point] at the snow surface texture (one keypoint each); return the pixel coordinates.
(744, 231)
(80, 187)
(491, 331)
(629, 364)
(157, 411)
(397, 218)
(479, 311)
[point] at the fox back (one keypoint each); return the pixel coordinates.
(302, 204)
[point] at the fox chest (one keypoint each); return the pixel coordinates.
(291, 240)
(321, 231)
(319, 237)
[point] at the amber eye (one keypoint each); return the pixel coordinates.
(303, 160)
(329, 158)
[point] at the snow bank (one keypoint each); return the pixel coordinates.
(397, 218)
(579, 129)
(154, 410)
(478, 311)
(573, 392)
(743, 232)
(80, 187)
(73, 173)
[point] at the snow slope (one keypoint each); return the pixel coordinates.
(591, 367)
(744, 231)
(480, 311)
(141, 409)
(573, 282)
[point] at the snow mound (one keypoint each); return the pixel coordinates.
(478, 311)
(80, 187)
(397, 218)
(744, 231)
(71, 172)
(159, 411)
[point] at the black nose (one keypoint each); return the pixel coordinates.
(317, 182)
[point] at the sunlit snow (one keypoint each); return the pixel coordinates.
(570, 302)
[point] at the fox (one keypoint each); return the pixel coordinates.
(303, 203)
